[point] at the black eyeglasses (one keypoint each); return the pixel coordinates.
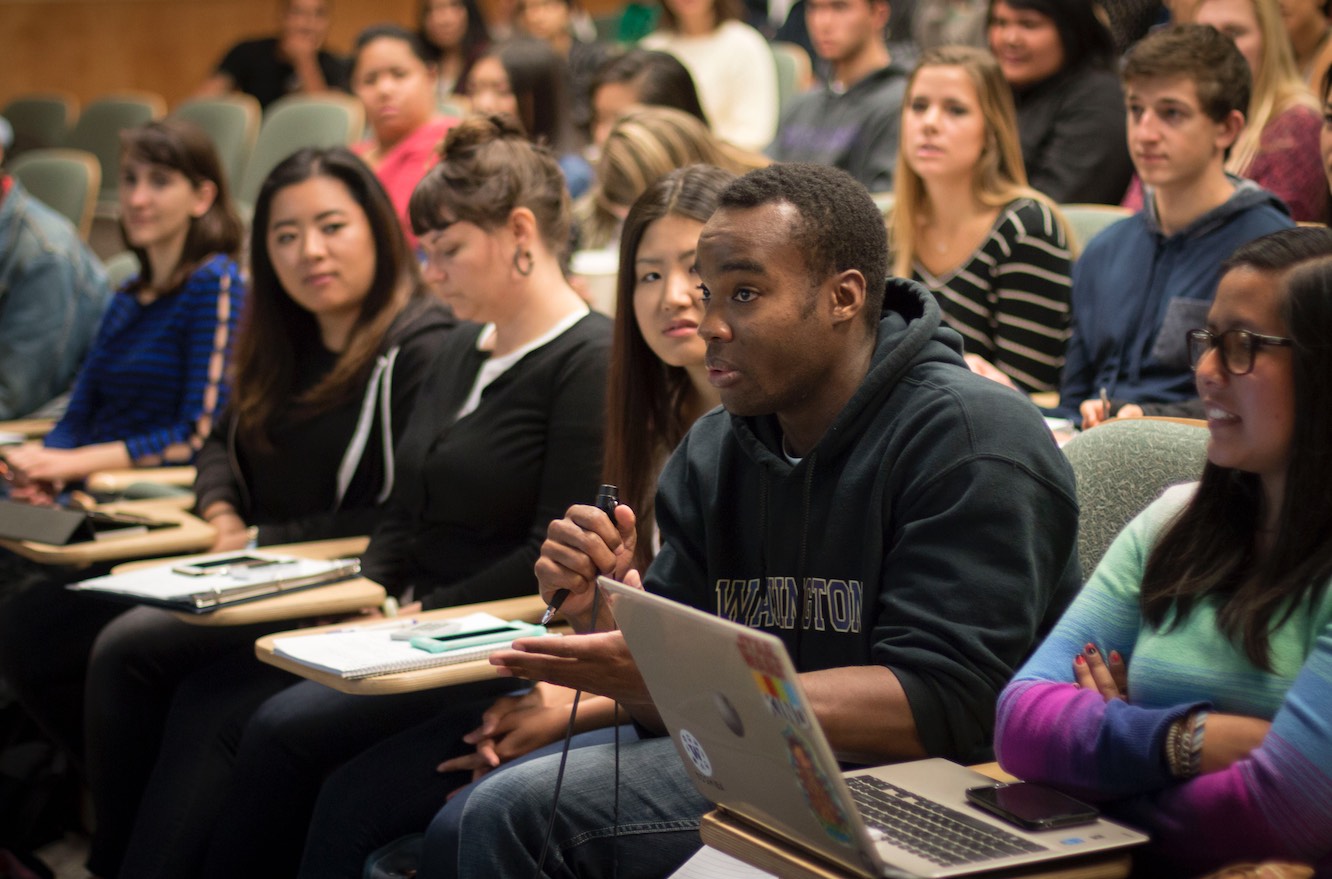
(1236, 347)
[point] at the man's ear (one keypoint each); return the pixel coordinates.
(1228, 130)
(882, 12)
(848, 295)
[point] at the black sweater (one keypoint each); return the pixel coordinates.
(475, 495)
(291, 490)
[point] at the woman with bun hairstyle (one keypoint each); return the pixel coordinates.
(658, 387)
(507, 430)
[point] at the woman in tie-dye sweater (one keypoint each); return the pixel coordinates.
(1188, 689)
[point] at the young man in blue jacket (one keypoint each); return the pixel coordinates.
(1147, 280)
(906, 527)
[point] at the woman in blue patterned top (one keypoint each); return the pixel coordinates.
(993, 250)
(154, 378)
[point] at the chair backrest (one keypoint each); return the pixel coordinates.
(66, 181)
(40, 121)
(120, 268)
(1121, 467)
(231, 123)
(323, 120)
(794, 71)
(98, 131)
(1088, 219)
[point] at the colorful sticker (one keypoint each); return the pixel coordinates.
(817, 789)
(778, 694)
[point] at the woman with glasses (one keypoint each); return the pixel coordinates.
(1186, 688)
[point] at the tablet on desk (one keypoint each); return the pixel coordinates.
(61, 527)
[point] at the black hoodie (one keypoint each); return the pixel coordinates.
(932, 530)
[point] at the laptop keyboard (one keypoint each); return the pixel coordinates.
(936, 833)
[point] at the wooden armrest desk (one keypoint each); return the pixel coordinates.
(31, 428)
(191, 534)
(114, 481)
(766, 852)
(347, 596)
(527, 608)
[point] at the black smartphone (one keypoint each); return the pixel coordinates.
(1031, 806)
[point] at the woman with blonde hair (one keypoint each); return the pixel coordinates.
(994, 251)
(643, 146)
(1278, 148)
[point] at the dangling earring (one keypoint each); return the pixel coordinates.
(522, 262)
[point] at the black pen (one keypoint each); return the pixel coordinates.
(608, 498)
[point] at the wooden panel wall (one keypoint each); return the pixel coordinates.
(92, 47)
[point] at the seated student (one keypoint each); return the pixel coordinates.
(645, 144)
(524, 78)
(1059, 59)
(148, 393)
(1309, 29)
(994, 251)
(731, 64)
(1146, 279)
(394, 77)
(1325, 137)
(658, 387)
(454, 33)
(506, 432)
(294, 61)
(54, 294)
(851, 121)
(1186, 689)
(552, 22)
(777, 508)
(640, 77)
(337, 338)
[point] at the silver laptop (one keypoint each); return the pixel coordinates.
(743, 727)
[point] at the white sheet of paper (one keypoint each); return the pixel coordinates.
(709, 863)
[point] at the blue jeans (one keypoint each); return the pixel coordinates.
(503, 823)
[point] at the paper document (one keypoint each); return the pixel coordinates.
(709, 863)
(371, 650)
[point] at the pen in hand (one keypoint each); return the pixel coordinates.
(1105, 403)
(608, 498)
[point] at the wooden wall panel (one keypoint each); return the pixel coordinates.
(92, 47)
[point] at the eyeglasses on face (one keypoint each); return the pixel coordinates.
(1236, 347)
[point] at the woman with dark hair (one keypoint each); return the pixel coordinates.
(148, 393)
(1186, 688)
(395, 79)
(454, 33)
(337, 335)
(1059, 59)
(553, 22)
(731, 64)
(658, 387)
(640, 77)
(524, 79)
(506, 430)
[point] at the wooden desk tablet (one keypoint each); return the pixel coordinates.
(191, 534)
(527, 608)
(116, 481)
(766, 852)
(348, 596)
(30, 428)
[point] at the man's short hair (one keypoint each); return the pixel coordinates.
(839, 226)
(1201, 53)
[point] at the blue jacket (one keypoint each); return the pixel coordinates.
(52, 293)
(1127, 281)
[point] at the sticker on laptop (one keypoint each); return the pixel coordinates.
(817, 789)
(693, 748)
(778, 694)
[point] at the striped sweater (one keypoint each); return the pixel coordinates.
(1275, 803)
(154, 377)
(1010, 299)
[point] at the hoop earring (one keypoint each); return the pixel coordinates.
(523, 262)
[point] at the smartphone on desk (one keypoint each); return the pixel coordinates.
(1031, 806)
(223, 566)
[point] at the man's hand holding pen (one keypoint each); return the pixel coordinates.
(584, 544)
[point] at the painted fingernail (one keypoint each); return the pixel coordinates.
(1090, 649)
(1078, 660)
(1115, 657)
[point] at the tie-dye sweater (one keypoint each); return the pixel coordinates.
(1277, 802)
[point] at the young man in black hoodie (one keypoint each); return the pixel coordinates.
(905, 526)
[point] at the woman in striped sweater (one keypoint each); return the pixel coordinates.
(965, 223)
(1187, 687)
(153, 380)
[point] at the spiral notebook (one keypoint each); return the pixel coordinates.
(370, 651)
